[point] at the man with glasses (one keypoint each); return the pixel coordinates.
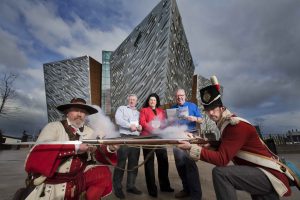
(186, 167)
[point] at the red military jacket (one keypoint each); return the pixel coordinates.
(44, 159)
(57, 161)
(241, 136)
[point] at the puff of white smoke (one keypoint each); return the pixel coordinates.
(172, 132)
(102, 125)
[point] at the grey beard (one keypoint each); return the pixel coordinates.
(76, 125)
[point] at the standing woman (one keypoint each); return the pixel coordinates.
(151, 117)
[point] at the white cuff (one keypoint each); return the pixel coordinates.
(195, 152)
(109, 151)
(76, 148)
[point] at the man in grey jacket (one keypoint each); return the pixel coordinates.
(127, 118)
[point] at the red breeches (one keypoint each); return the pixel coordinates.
(98, 183)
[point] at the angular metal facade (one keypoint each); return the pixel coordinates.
(155, 57)
(70, 78)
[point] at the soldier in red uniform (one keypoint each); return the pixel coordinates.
(62, 171)
(241, 144)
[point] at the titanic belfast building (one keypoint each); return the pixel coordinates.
(155, 57)
(66, 79)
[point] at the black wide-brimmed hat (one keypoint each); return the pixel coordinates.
(211, 97)
(77, 103)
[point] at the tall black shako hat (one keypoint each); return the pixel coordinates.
(77, 103)
(210, 95)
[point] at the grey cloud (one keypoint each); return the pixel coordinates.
(32, 114)
(31, 122)
(252, 46)
(8, 14)
(10, 55)
(136, 11)
(44, 23)
(278, 123)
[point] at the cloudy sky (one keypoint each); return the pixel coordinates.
(252, 46)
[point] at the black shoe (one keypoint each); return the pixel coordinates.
(153, 194)
(181, 194)
(120, 194)
(169, 189)
(134, 190)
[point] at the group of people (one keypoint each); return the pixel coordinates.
(151, 117)
(72, 170)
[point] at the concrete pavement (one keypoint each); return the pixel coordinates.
(12, 177)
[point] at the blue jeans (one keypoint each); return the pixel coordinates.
(188, 172)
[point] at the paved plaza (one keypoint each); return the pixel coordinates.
(13, 176)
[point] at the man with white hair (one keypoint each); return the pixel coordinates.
(186, 167)
(61, 170)
(127, 117)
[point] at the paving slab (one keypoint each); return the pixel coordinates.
(13, 175)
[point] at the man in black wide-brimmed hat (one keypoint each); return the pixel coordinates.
(62, 171)
(255, 170)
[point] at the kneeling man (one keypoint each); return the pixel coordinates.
(255, 171)
(62, 171)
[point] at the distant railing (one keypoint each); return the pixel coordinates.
(280, 139)
(282, 144)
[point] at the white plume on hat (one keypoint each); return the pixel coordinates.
(214, 81)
